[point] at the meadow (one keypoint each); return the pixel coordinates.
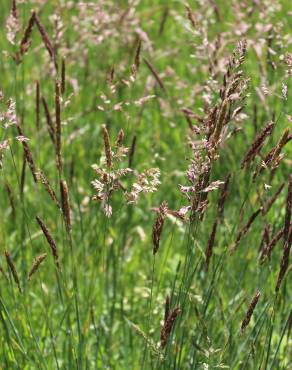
(146, 185)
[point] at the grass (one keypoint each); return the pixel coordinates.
(105, 307)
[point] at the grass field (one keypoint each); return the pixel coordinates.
(146, 186)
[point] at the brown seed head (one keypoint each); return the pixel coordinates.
(168, 325)
(50, 241)
(12, 268)
(58, 124)
(25, 41)
(107, 147)
(250, 310)
(158, 226)
(65, 204)
(36, 264)
(257, 144)
(28, 154)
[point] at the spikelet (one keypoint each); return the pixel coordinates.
(50, 241)
(220, 121)
(250, 310)
(107, 147)
(283, 140)
(45, 181)
(65, 204)
(287, 236)
(58, 129)
(132, 151)
(136, 64)
(45, 37)
(191, 16)
(288, 210)
(273, 157)
(284, 261)
(120, 138)
(168, 325)
(12, 24)
(267, 250)
(28, 154)
(211, 241)
(37, 104)
(36, 264)
(49, 121)
(222, 198)
(25, 41)
(63, 77)
(257, 144)
(158, 226)
(265, 237)
(22, 176)
(163, 20)
(166, 308)
(13, 270)
(155, 75)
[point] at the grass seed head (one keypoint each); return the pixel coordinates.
(36, 264)
(12, 268)
(250, 311)
(168, 325)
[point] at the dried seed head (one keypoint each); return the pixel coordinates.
(120, 138)
(65, 204)
(257, 144)
(37, 104)
(288, 210)
(58, 125)
(63, 77)
(284, 261)
(137, 56)
(220, 122)
(273, 158)
(107, 147)
(45, 181)
(211, 241)
(265, 237)
(158, 226)
(45, 37)
(168, 325)
(28, 154)
(14, 9)
(250, 310)
(36, 264)
(12, 268)
(287, 236)
(166, 308)
(132, 150)
(222, 197)
(155, 74)
(281, 143)
(49, 120)
(267, 250)
(191, 16)
(50, 241)
(110, 76)
(25, 41)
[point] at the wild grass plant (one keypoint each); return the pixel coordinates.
(146, 182)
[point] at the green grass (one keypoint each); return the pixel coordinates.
(105, 308)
